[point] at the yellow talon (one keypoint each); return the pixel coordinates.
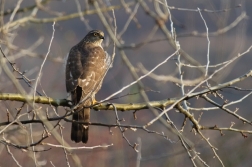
(94, 101)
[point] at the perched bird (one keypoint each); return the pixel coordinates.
(87, 64)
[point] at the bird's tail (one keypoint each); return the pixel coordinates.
(79, 131)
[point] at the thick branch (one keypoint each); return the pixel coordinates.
(36, 99)
(121, 107)
(102, 106)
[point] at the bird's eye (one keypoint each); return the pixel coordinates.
(95, 34)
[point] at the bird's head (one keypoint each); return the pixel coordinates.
(94, 36)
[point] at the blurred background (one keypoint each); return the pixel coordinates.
(25, 39)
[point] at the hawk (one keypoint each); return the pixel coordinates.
(86, 66)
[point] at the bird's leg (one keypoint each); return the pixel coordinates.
(95, 102)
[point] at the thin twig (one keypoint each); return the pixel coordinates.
(41, 67)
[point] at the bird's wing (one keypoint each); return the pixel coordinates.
(73, 69)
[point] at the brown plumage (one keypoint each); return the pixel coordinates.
(86, 66)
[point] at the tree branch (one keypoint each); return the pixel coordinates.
(120, 107)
